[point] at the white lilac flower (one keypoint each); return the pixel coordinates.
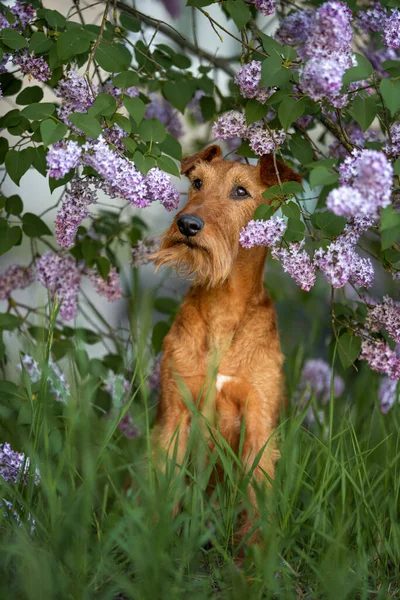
(263, 141)
(230, 125)
(262, 233)
(297, 263)
(14, 466)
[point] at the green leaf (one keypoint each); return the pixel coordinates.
(245, 150)
(33, 226)
(152, 130)
(255, 111)
(349, 347)
(55, 19)
(39, 159)
(392, 67)
(329, 224)
(86, 123)
(126, 79)
(208, 107)
(171, 146)
(263, 212)
(56, 183)
(239, 12)
(129, 144)
(17, 163)
(166, 306)
(160, 330)
(295, 230)
(103, 266)
(129, 23)
(389, 227)
(364, 111)
(9, 322)
(363, 70)
(396, 167)
(292, 187)
(291, 210)
(3, 149)
(301, 149)
(72, 42)
(10, 237)
(123, 122)
(270, 45)
(390, 91)
(52, 132)
(168, 165)
(39, 43)
(38, 110)
(143, 163)
(30, 95)
(199, 3)
(273, 73)
(111, 58)
(14, 205)
(105, 105)
(289, 111)
(272, 192)
(322, 176)
(136, 108)
(179, 93)
(13, 39)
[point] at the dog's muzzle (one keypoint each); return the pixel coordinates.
(190, 225)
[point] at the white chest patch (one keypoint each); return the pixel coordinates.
(221, 379)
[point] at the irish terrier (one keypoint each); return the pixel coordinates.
(226, 318)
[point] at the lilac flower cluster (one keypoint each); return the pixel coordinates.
(316, 378)
(377, 56)
(109, 288)
(385, 316)
(381, 358)
(370, 175)
(75, 95)
(388, 393)
(371, 19)
(322, 78)
(161, 109)
(262, 233)
(295, 28)
(143, 250)
(33, 66)
(262, 141)
(248, 79)
(391, 29)
(393, 148)
(61, 276)
(128, 428)
(118, 93)
(14, 466)
(331, 32)
(15, 277)
(356, 136)
(266, 7)
(340, 263)
(62, 157)
(155, 375)
(297, 263)
(160, 188)
(73, 211)
(55, 377)
(23, 13)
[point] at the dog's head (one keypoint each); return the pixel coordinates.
(203, 239)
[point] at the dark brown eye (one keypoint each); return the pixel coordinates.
(197, 183)
(239, 193)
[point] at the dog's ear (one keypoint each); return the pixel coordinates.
(268, 171)
(208, 154)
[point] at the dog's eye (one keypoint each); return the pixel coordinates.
(239, 192)
(197, 183)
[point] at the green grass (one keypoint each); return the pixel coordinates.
(103, 520)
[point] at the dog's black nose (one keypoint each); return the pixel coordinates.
(190, 224)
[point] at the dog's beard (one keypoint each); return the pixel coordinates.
(206, 259)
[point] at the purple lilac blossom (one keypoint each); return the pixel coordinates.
(377, 56)
(316, 378)
(161, 109)
(61, 276)
(388, 393)
(248, 79)
(33, 66)
(266, 7)
(391, 29)
(113, 135)
(295, 28)
(356, 136)
(143, 250)
(160, 188)
(14, 466)
(121, 178)
(230, 125)
(264, 141)
(110, 287)
(262, 233)
(62, 157)
(15, 277)
(322, 78)
(385, 316)
(393, 147)
(73, 211)
(75, 95)
(331, 31)
(341, 264)
(155, 375)
(297, 263)
(118, 93)
(371, 19)
(23, 13)
(380, 358)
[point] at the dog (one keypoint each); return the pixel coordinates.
(226, 319)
